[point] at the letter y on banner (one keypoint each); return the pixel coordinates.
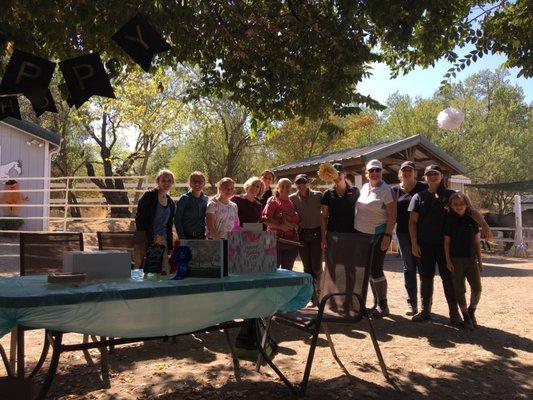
(140, 40)
(85, 76)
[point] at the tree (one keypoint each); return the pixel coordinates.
(299, 138)
(147, 109)
(494, 142)
(282, 58)
(219, 142)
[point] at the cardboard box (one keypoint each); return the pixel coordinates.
(104, 264)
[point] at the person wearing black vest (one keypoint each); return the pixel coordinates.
(426, 228)
(427, 219)
(404, 192)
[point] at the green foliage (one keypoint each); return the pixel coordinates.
(299, 138)
(496, 140)
(219, 142)
(277, 58)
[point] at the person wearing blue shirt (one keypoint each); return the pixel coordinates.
(190, 209)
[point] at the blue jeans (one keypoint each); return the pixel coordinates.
(409, 267)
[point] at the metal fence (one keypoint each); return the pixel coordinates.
(58, 202)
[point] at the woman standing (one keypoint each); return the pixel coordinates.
(427, 218)
(403, 193)
(375, 214)
(280, 216)
(155, 212)
(248, 204)
(222, 214)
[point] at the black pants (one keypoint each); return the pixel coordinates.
(432, 254)
(286, 254)
(311, 253)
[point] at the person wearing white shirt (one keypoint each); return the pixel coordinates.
(375, 214)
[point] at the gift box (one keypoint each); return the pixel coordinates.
(251, 252)
(209, 258)
(103, 264)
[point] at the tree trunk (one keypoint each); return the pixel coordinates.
(112, 198)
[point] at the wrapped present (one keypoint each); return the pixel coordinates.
(208, 258)
(251, 252)
(98, 264)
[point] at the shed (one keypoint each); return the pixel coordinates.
(26, 151)
(392, 154)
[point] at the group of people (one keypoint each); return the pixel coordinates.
(435, 226)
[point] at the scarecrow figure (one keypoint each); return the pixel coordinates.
(13, 197)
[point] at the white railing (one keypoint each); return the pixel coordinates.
(56, 204)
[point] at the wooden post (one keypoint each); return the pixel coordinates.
(519, 248)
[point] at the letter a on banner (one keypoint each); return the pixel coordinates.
(47, 103)
(85, 76)
(141, 41)
(9, 107)
(27, 74)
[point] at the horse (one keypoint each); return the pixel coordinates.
(4, 169)
(508, 221)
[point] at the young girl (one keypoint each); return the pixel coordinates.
(463, 254)
(222, 214)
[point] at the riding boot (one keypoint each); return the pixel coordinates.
(426, 296)
(449, 293)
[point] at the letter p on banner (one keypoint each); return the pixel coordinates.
(27, 74)
(85, 76)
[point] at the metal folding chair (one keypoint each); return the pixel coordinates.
(127, 240)
(343, 290)
(41, 254)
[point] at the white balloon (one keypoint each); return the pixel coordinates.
(450, 118)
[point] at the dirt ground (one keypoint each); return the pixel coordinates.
(428, 360)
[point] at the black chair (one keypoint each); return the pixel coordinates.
(343, 290)
(41, 254)
(127, 240)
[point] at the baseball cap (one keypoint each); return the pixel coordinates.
(408, 164)
(338, 167)
(372, 164)
(300, 177)
(432, 168)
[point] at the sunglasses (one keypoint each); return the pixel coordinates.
(374, 170)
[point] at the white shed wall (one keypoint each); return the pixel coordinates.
(13, 147)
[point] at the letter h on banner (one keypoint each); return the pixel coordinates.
(9, 107)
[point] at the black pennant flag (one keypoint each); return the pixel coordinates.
(27, 74)
(85, 76)
(43, 104)
(3, 39)
(141, 41)
(9, 107)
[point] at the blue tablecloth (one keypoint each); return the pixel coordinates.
(145, 308)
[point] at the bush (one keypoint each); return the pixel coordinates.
(10, 224)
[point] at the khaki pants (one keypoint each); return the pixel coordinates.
(466, 268)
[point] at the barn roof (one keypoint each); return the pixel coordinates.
(33, 129)
(360, 155)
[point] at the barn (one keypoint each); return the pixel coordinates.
(26, 152)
